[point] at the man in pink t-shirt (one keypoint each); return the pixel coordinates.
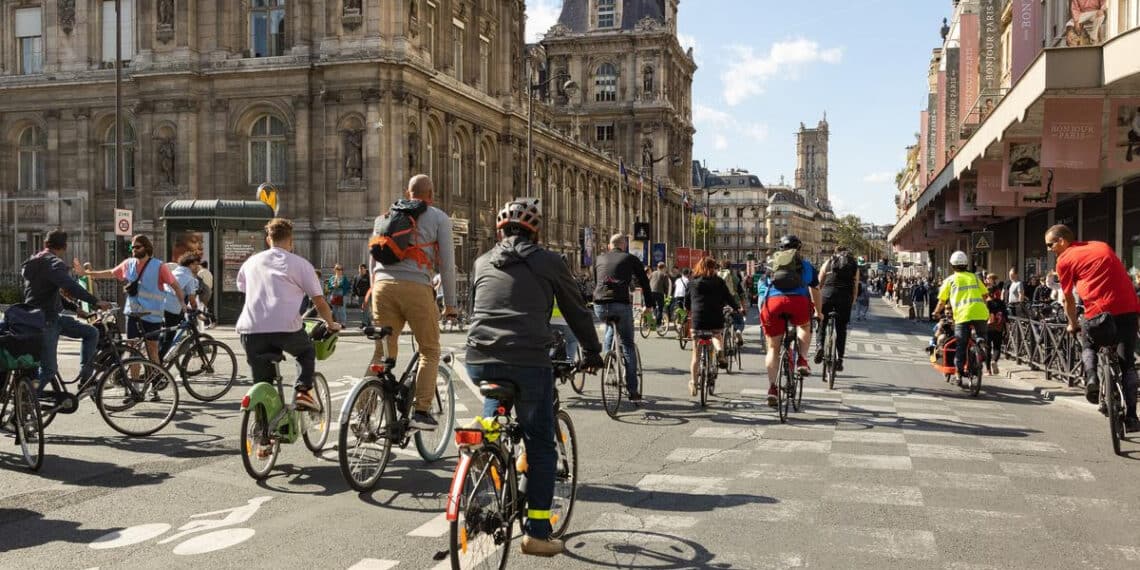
(144, 308)
(275, 282)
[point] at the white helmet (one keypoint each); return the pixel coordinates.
(959, 258)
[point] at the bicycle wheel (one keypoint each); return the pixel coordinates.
(316, 424)
(260, 447)
(216, 366)
(645, 325)
(578, 380)
(1114, 402)
(830, 358)
(47, 416)
(28, 423)
(640, 370)
(739, 355)
(566, 475)
(432, 444)
(365, 445)
(483, 495)
(977, 360)
(137, 397)
(613, 382)
(703, 375)
(783, 385)
(729, 349)
(797, 398)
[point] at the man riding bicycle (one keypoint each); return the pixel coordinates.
(45, 277)
(792, 290)
(965, 293)
(515, 287)
(274, 282)
(614, 272)
(840, 278)
(1103, 285)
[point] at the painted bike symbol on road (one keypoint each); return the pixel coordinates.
(216, 536)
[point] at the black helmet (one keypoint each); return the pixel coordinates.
(790, 242)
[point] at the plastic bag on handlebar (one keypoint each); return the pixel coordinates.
(1100, 329)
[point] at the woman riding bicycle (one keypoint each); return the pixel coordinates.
(705, 300)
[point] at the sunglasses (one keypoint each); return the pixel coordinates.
(136, 246)
(1050, 244)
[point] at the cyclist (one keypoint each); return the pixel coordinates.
(736, 289)
(45, 277)
(614, 272)
(515, 286)
(965, 294)
(680, 289)
(183, 273)
(146, 275)
(707, 297)
(839, 277)
(402, 293)
(558, 323)
(659, 287)
(792, 289)
(274, 282)
(1098, 277)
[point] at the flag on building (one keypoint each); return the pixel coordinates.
(622, 172)
(660, 191)
(640, 182)
(687, 204)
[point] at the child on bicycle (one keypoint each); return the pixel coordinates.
(706, 299)
(942, 333)
(995, 329)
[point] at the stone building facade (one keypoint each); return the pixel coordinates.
(634, 100)
(739, 209)
(811, 161)
(336, 102)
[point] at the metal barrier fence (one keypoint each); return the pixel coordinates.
(1044, 346)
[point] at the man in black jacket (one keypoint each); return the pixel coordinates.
(45, 276)
(614, 272)
(838, 277)
(513, 293)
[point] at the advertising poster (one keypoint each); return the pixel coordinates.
(190, 241)
(923, 171)
(1085, 26)
(968, 68)
(658, 255)
(1072, 133)
(1124, 134)
(989, 48)
(587, 247)
(931, 130)
(1021, 171)
(1072, 181)
(1025, 35)
(940, 125)
(968, 195)
(237, 246)
(953, 122)
(640, 250)
(989, 185)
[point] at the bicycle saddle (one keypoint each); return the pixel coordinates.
(501, 390)
(377, 333)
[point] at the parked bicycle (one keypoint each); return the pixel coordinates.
(488, 490)
(377, 414)
(207, 367)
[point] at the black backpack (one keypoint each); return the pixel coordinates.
(787, 270)
(841, 273)
(394, 234)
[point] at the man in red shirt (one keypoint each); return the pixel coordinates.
(1104, 286)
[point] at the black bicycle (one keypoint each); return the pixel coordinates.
(207, 366)
(20, 414)
(830, 354)
(706, 365)
(789, 383)
(976, 355)
(614, 387)
(566, 365)
(1112, 393)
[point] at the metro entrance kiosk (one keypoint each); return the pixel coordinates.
(223, 232)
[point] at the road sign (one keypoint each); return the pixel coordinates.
(982, 240)
(123, 223)
(641, 231)
(459, 226)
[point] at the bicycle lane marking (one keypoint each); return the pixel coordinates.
(218, 537)
(374, 564)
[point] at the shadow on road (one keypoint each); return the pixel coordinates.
(24, 528)
(617, 548)
(633, 497)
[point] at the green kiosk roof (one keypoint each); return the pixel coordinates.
(216, 210)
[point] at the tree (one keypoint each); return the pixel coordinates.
(702, 228)
(849, 232)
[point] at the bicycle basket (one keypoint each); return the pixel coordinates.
(20, 351)
(324, 341)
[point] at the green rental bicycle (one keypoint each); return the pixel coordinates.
(268, 419)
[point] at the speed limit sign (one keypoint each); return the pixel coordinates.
(123, 224)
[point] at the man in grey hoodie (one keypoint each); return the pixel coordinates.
(513, 293)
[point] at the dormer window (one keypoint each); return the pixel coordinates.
(607, 13)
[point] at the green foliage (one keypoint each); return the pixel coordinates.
(11, 295)
(703, 227)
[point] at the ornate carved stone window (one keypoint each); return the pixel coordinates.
(605, 83)
(32, 159)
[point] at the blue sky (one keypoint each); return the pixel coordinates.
(765, 66)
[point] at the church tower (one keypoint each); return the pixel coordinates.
(811, 161)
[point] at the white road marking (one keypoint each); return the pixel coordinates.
(683, 484)
(777, 472)
(856, 461)
(949, 480)
(793, 446)
(1055, 472)
(986, 523)
(213, 541)
(868, 436)
(129, 536)
(704, 455)
(932, 451)
(434, 528)
(728, 433)
(874, 494)
(885, 542)
(1007, 444)
(374, 564)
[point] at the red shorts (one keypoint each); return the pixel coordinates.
(798, 307)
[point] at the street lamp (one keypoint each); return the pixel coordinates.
(571, 88)
(708, 189)
(675, 161)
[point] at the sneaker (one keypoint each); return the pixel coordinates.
(692, 388)
(839, 366)
(541, 546)
(994, 369)
(819, 356)
(722, 363)
(634, 396)
(1092, 391)
(773, 398)
(305, 401)
(1131, 425)
(423, 421)
(802, 367)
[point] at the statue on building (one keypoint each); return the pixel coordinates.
(166, 154)
(647, 86)
(353, 154)
(166, 14)
(647, 154)
(351, 6)
(413, 151)
(67, 15)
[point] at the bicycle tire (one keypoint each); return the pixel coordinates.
(645, 325)
(640, 370)
(976, 359)
(728, 347)
(120, 391)
(433, 444)
(1115, 411)
(47, 417)
(830, 358)
(739, 354)
(661, 329)
(798, 391)
(28, 422)
(578, 380)
(484, 491)
(613, 379)
(217, 370)
(369, 420)
(316, 424)
(703, 376)
(204, 340)
(255, 427)
(782, 386)
(566, 475)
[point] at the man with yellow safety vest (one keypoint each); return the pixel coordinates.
(964, 292)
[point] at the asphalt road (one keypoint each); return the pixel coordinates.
(893, 469)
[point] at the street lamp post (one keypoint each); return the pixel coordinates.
(675, 161)
(118, 119)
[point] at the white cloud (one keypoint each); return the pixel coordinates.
(720, 142)
(705, 115)
(879, 177)
(756, 131)
(689, 41)
(748, 73)
(722, 123)
(540, 16)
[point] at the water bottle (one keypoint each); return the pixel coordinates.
(521, 467)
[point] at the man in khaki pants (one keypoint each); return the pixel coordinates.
(402, 293)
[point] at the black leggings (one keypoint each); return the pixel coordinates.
(1126, 326)
(297, 344)
(842, 316)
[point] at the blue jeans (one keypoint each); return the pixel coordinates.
(571, 340)
(534, 409)
(339, 314)
(962, 334)
(71, 328)
(658, 306)
(625, 329)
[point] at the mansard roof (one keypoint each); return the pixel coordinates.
(576, 13)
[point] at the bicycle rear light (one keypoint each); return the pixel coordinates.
(468, 437)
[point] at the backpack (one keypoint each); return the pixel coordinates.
(394, 234)
(729, 280)
(842, 270)
(787, 270)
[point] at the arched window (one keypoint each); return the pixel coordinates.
(109, 163)
(605, 83)
(267, 151)
(456, 166)
(429, 152)
(32, 159)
